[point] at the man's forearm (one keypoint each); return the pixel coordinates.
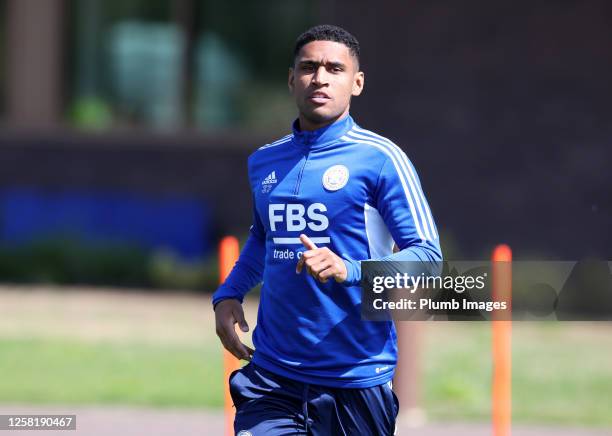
(246, 273)
(429, 257)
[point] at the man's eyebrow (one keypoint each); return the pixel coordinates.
(330, 63)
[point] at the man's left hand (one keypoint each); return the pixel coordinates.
(321, 263)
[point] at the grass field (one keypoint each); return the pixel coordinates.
(107, 347)
(561, 373)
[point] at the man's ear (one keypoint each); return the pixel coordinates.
(290, 80)
(358, 83)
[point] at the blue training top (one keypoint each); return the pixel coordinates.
(356, 193)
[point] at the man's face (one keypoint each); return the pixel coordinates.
(323, 79)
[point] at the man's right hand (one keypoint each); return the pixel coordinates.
(227, 313)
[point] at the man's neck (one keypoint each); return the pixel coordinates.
(308, 125)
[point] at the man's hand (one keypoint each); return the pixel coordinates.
(321, 263)
(227, 313)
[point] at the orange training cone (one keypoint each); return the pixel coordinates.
(502, 342)
(229, 249)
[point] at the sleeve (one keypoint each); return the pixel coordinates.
(248, 270)
(400, 201)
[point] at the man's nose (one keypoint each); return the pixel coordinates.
(320, 76)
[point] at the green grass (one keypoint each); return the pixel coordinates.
(561, 379)
(561, 373)
(556, 380)
(161, 351)
(47, 371)
(457, 371)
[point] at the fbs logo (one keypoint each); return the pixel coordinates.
(268, 183)
(298, 217)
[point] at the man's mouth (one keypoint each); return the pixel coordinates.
(319, 97)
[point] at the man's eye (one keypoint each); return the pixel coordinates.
(307, 67)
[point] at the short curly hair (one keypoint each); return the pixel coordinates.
(328, 32)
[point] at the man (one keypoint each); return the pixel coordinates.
(325, 197)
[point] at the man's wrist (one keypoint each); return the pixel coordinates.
(218, 300)
(353, 271)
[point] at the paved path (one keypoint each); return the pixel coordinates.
(119, 421)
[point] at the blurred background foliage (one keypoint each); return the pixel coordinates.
(170, 65)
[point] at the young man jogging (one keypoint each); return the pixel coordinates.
(325, 197)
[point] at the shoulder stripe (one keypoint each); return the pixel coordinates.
(416, 190)
(284, 139)
(401, 176)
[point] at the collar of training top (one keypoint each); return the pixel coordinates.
(318, 138)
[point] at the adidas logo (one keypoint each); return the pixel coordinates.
(270, 179)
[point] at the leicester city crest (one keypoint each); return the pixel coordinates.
(335, 177)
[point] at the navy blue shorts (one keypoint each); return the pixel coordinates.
(271, 405)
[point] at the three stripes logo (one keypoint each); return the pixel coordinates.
(268, 183)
